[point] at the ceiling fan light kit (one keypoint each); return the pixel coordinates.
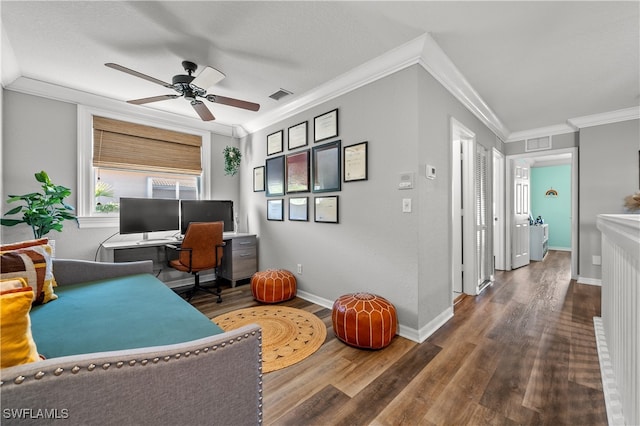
(191, 88)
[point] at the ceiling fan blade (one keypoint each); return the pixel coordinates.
(202, 110)
(208, 78)
(233, 102)
(138, 74)
(152, 99)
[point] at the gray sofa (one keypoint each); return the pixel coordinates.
(215, 380)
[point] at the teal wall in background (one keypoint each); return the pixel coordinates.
(556, 211)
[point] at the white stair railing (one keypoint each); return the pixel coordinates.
(618, 332)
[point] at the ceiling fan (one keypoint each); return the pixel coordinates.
(191, 88)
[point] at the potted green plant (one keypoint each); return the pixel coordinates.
(43, 211)
(232, 157)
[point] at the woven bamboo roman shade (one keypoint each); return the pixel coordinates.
(122, 145)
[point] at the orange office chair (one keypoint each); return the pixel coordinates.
(201, 249)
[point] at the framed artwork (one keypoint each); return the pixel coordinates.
(274, 143)
(355, 159)
(275, 209)
(326, 167)
(299, 208)
(258, 179)
(326, 209)
(274, 176)
(298, 172)
(325, 126)
(297, 136)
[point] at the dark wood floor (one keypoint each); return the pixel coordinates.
(523, 352)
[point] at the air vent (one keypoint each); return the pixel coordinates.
(280, 94)
(538, 144)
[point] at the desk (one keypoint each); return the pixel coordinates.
(239, 261)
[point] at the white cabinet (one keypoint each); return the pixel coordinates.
(538, 241)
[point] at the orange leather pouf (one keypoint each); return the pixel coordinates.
(273, 286)
(364, 320)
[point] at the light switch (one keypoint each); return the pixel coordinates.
(406, 205)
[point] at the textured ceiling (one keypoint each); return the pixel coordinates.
(535, 64)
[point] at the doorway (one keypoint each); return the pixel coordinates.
(568, 156)
(471, 234)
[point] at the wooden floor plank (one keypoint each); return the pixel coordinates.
(522, 352)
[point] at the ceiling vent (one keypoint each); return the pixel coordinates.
(280, 94)
(538, 144)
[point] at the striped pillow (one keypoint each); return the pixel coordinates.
(34, 264)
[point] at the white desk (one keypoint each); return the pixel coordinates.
(239, 261)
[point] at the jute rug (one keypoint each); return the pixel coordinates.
(289, 335)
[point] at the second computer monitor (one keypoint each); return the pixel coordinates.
(206, 211)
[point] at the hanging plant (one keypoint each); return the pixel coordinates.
(232, 157)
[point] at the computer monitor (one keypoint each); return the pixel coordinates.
(206, 211)
(143, 215)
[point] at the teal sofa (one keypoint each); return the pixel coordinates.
(122, 348)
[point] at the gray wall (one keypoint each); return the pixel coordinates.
(404, 257)
(41, 134)
(608, 173)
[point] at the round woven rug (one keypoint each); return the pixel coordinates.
(289, 335)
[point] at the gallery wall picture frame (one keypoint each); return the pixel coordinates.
(275, 209)
(326, 167)
(274, 176)
(299, 209)
(275, 142)
(297, 135)
(325, 209)
(325, 126)
(258, 179)
(355, 162)
(297, 172)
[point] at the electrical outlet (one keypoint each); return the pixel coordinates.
(406, 205)
(300, 268)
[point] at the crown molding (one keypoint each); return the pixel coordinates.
(558, 129)
(395, 60)
(610, 117)
(437, 63)
(65, 94)
(10, 70)
(422, 50)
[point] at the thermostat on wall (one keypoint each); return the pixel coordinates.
(431, 172)
(406, 181)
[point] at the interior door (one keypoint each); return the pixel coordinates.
(520, 209)
(484, 268)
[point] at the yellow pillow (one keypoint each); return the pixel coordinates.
(16, 343)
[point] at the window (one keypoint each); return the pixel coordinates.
(122, 156)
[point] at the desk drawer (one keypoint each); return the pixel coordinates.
(243, 243)
(244, 263)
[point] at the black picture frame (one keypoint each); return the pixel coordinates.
(274, 176)
(275, 142)
(298, 135)
(326, 209)
(297, 172)
(299, 209)
(326, 164)
(275, 209)
(356, 162)
(258, 179)
(325, 126)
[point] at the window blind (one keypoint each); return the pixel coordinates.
(123, 145)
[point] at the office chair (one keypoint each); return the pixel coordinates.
(201, 249)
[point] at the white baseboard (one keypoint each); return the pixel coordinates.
(410, 333)
(612, 399)
(590, 281)
(560, 248)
